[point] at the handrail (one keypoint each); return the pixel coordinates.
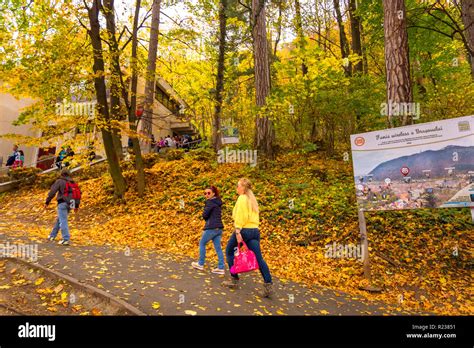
(191, 142)
(34, 163)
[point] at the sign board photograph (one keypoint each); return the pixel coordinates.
(427, 165)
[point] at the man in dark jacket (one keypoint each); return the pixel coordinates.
(58, 188)
(212, 230)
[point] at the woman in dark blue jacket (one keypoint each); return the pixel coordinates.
(212, 230)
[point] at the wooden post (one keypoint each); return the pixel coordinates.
(365, 245)
(365, 254)
(472, 214)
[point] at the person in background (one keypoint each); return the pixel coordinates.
(170, 142)
(91, 155)
(185, 144)
(246, 220)
(153, 143)
(22, 158)
(161, 144)
(69, 154)
(19, 158)
(212, 230)
(14, 158)
(59, 159)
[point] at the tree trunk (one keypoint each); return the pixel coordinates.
(264, 134)
(133, 106)
(116, 139)
(216, 126)
(109, 13)
(300, 34)
(365, 62)
(279, 25)
(330, 136)
(120, 185)
(342, 38)
(397, 63)
(147, 118)
(356, 35)
(467, 14)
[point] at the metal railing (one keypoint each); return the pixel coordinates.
(5, 170)
(190, 145)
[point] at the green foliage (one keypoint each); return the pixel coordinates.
(309, 147)
(174, 154)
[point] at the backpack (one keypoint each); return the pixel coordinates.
(10, 161)
(72, 194)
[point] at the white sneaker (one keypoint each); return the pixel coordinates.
(218, 271)
(197, 266)
(63, 242)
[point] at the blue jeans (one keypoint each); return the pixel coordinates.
(61, 222)
(251, 237)
(215, 235)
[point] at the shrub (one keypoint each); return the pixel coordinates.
(24, 173)
(202, 154)
(45, 181)
(174, 154)
(150, 159)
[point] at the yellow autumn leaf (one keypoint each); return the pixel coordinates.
(190, 312)
(39, 281)
(96, 311)
(64, 296)
(156, 305)
(76, 308)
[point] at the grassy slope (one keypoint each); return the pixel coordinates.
(412, 251)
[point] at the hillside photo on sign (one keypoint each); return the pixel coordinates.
(427, 165)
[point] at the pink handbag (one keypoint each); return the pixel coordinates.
(244, 260)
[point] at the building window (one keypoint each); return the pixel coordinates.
(165, 99)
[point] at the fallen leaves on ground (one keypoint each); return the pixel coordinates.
(411, 251)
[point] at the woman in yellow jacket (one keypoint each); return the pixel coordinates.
(245, 215)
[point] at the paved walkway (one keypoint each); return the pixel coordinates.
(146, 279)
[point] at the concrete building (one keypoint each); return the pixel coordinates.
(10, 109)
(169, 118)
